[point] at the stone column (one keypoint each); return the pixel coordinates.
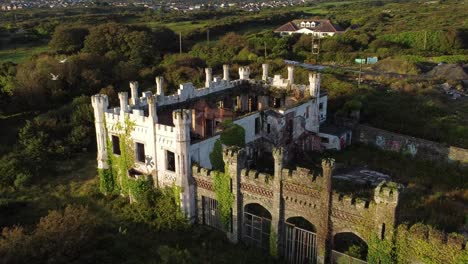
(152, 112)
(100, 104)
(291, 75)
(208, 77)
(159, 85)
(134, 93)
(123, 98)
(226, 72)
(234, 160)
(323, 228)
(265, 72)
(277, 214)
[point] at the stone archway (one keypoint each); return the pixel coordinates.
(300, 241)
(348, 246)
(256, 226)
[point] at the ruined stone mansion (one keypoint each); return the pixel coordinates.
(287, 210)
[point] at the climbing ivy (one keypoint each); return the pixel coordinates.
(224, 196)
(126, 159)
(116, 177)
(176, 190)
(232, 135)
(380, 251)
(273, 243)
(138, 188)
(413, 245)
(216, 156)
(106, 181)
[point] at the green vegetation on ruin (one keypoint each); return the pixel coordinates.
(47, 144)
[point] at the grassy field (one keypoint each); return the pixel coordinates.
(21, 54)
(321, 8)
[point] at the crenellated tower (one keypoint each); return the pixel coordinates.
(100, 104)
(182, 119)
(244, 73)
(386, 197)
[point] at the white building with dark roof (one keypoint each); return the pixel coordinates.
(320, 28)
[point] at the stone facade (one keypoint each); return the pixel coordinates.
(300, 193)
(173, 131)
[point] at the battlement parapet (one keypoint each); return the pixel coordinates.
(181, 115)
(256, 178)
(165, 128)
(200, 172)
(303, 176)
(387, 192)
(100, 100)
(350, 203)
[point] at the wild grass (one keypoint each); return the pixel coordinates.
(21, 54)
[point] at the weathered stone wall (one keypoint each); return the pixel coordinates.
(296, 193)
(409, 145)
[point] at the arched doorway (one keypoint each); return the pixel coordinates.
(349, 248)
(300, 241)
(257, 226)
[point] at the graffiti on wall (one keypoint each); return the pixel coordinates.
(406, 147)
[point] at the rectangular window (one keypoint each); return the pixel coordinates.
(209, 127)
(170, 161)
(307, 111)
(325, 140)
(115, 145)
(268, 128)
(257, 125)
(140, 152)
(321, 106)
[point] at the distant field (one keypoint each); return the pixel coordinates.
(320, 8)
(21, 54)
(183, 27)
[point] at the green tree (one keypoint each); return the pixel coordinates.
(68, 39)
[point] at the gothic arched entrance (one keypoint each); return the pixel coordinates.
(300, 241)
(256, 226)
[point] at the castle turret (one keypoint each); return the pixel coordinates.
(182, 122)
(226, 72)
(314, 83)
(244, 73)
(208, 76)
(291, 74)
(100, 103)
(386, 197)
(134, 93)
(152, 112)
(123, 98)
(265, 72)
(159, 86)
